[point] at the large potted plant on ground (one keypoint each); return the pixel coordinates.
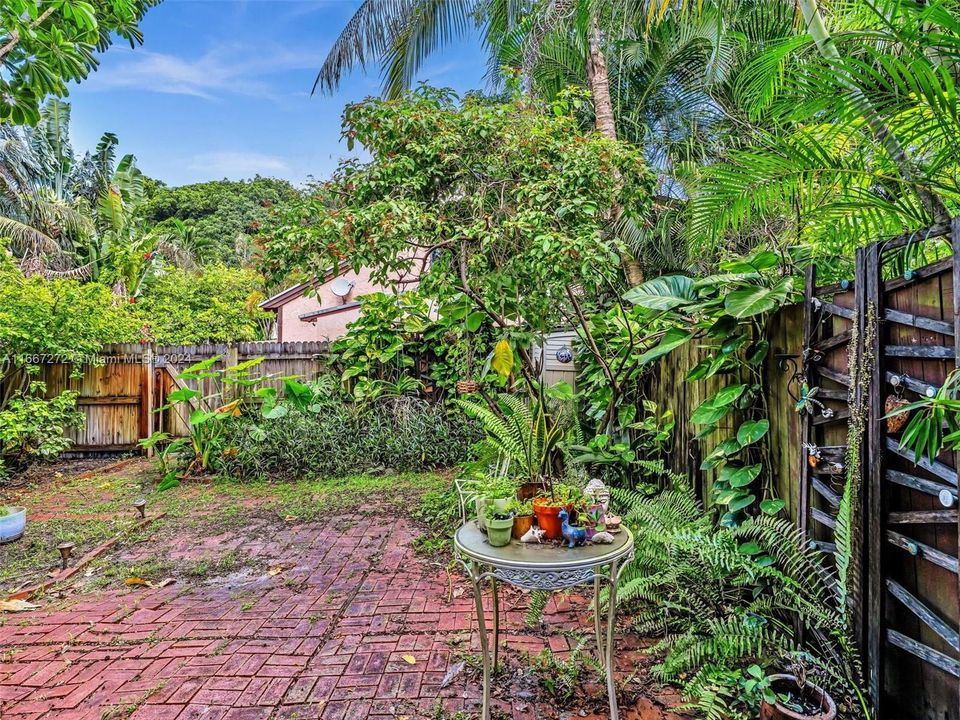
(788, 697)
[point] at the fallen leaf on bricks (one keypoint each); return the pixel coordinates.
(277, 569)
(409, 659)
(17, 606)
(452, 674)
(146, 583)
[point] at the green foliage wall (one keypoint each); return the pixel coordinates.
(221, 210)
(216, 304)
(65, 318)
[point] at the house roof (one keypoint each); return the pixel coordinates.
(314, 314)
(295, 291)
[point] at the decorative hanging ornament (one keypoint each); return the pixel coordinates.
(896, 422)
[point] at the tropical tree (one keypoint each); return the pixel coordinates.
(39, 215)
(755, 110)
(66, 216)
(45, 44)
(402, 33)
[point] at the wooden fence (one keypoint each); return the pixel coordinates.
(906, 599)
(121, 390)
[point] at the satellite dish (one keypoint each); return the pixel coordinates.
(341, 287)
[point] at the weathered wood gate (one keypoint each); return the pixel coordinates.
(907, 325)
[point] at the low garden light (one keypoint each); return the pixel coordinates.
(66, 550)
(141, 507)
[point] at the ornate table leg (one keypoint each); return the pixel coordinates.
(476, 579)
(597, 633)
(611, 621)
(496, 623)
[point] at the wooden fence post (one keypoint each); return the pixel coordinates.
(147, 362)
(869, 287)
(231, 359)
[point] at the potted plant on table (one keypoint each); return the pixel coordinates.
(485, 490)
(499, 522)
(526, 437)
(13, 521)
(547, 508)
(594, 519)
(522, 517)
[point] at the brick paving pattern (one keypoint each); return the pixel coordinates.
(355, 626)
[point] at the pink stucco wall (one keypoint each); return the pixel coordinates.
(326, 327)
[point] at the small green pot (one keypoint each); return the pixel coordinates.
(499, 532)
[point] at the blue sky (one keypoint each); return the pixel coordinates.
(221, 88)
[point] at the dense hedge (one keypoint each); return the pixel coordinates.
(399, 434)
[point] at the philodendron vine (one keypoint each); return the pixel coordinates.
(726, 313)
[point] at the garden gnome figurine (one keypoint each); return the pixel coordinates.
(598, 492)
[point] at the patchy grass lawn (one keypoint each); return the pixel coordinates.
(96, 506)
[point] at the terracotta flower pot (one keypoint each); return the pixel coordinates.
(530, 490)
(547, 517)
(813, 694)
(521, 524)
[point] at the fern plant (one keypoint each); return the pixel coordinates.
(526, 437)
(722, 598)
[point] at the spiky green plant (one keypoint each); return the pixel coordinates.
(525, 437)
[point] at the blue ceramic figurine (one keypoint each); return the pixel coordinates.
(573, 535)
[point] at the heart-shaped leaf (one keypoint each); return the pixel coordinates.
(772, 506)
(742, 502)
(750, 432)
(739, 477)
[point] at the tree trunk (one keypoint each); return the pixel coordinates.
(599, 80)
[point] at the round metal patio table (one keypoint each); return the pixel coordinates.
(546, 566)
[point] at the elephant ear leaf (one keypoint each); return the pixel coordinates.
(502, 358)
(663, 293)
(672, 339)
(754, 300)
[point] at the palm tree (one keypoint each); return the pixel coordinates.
(720, 95)
(65, 217)
(859, 141)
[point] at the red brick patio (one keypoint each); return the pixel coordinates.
(356, 625)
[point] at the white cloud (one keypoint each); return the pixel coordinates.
(234, 70)
(238, 164)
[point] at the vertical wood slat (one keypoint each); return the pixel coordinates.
(955, 247)
(806, 426)
(868, 287)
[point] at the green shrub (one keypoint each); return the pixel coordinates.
(725, 598)
(335, 437)
(32, 427)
